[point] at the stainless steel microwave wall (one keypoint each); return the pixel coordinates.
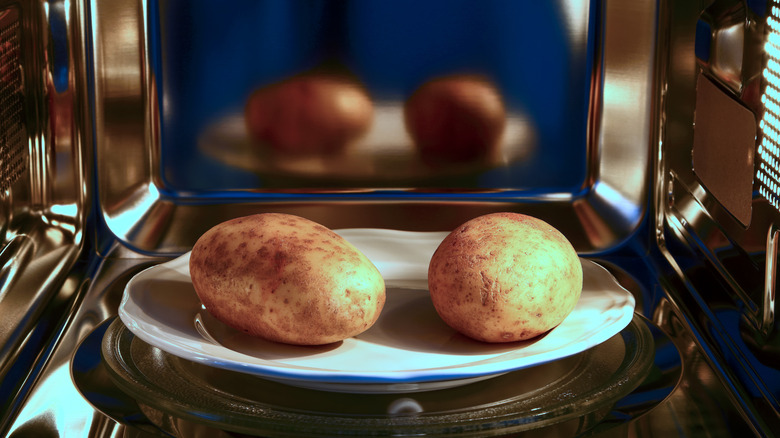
(147, 174)
(633, 127)
(711, 199)
(45, 200)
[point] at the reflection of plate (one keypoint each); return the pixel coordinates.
(408, 349)
(385, 153)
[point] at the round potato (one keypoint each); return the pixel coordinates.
(455, 119)
(504, 277)
(286, 279)
(309, 115)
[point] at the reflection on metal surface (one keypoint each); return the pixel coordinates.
(700, 396)
(156, 199)
(90, 304)
(770, 282)
(613, 150)
(380, 157)
(138, 203)
(727, 57)
(44, 188)
(723, 267)
(121, 116)
(68, 418)
(729, 45)
(116, 406)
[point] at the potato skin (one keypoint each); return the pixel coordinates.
(286, 279)
(309, 115)
(456, 119)
(504, 277)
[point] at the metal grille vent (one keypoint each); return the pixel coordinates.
(768, 169)
(13, 150)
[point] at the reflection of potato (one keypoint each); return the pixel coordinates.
(309, 115)
(286, 279)
(504, 277)
(455, 119)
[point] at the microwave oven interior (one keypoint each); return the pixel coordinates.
(179, 136)
(644, 131)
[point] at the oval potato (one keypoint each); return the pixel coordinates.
(455, 119)
(309, 115)
(504, 277)
(286, 279)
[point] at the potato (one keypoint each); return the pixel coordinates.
(286, 279)
(311, 114)
(455, 119)
(504, 277)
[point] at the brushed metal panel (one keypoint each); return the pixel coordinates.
(724, 143)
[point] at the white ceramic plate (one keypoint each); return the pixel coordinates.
(409, 348)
